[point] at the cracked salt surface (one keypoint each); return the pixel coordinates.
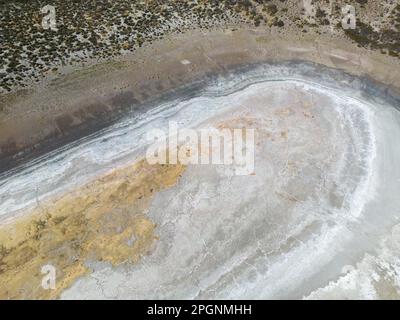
(324, 195)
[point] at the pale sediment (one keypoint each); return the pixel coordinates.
(84, 101)
(103, 221)
(277, 233)
(97, 221)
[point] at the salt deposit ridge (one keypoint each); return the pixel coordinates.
(318, 219)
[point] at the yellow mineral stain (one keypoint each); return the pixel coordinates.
(102, 221)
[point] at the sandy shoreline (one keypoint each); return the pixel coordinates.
(81, 102)
(316, 217)
(86, 100)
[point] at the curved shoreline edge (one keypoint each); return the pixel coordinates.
(56, 223)
(85, 101)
